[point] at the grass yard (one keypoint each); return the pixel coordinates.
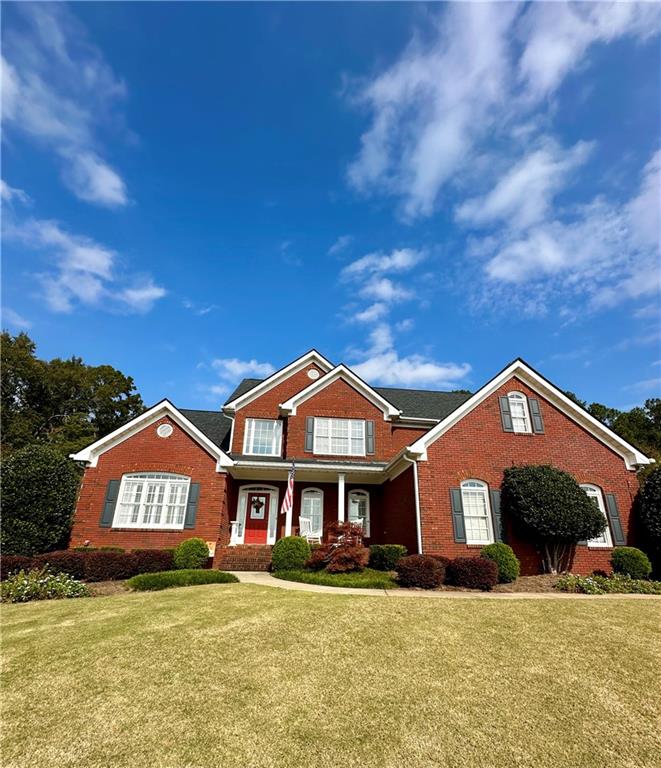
(241, 676)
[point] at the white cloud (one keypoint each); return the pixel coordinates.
(10, 194)
(142, 295)
(400, 260)
(373, 313)
(230, 370)
(13, 319)
(647, 385)
(58, 89)
(340, 245)
(382, 364)
(382, 289)
(199, 309)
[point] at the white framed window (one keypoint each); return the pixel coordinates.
(152, 500)
(263, 437)
(519, 412)
(359, 509)
(339, 437)
(312, 507)
(477, 512)
(596, 497)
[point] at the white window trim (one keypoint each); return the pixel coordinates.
(239, 524)
(169, 479)
(249, 431)
(366, 521)
(484, 488)
(315, 448)
(313, 491)
(519, 397)
(594, 492)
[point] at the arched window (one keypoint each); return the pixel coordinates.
(152, 500)
(312, 507)
(596, 497)
(477, 512)
(359, 509)
(519, 412)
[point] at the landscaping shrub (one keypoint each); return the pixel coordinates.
(421, 571)
(444, 561)
(317, 559)
(649, 508)
(191, 553)
(64, 561)
(345, 533)
(13, 563)
(618, 583)
(39, 488)
(550, 508)
(180, 578)
(290, 553)
(105, 548)
(472, 573)
(347, 559)
(108, 566)
(384, 557)
(503, 556)
(40, 584)
(631, 562)
(153, 560)
(366, 579)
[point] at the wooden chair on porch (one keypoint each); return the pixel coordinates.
(305, 530)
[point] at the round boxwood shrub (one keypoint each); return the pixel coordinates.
(420, 571)
(472, 573)
(503, 556)
(384, 557)
(290, 553)
(632, 562)
(191, 553)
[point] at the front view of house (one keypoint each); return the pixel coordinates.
(413, 467)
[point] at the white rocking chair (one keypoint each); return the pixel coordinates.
(305, 530)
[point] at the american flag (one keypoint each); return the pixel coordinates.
(288, 501)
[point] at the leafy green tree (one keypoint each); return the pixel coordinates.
(39, 489)
(63, 403)
(550, 507)
(649, 508)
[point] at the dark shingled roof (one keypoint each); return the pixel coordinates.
(214, 424)
(417, 403)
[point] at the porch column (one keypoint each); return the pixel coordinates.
(340, 498)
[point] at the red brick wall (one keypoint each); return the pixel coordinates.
(478, 448)
(146, 452)
(398, 524)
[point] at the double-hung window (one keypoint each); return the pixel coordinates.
(519, 411)
(359, 509)
(312, 507)
(477, 512)
(263, 437)
(152, 500)
(339, 437)
(596, 497)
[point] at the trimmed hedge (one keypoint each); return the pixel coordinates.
(13, 563)
(503, 556)
(65, 561)
(290, 553)
(186, 577)
(366, 579)
(153, 560)
(191, 553)
(472, 573)
(384, 557)
(632, 562)
(420, 571)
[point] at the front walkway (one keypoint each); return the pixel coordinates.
(266, 580)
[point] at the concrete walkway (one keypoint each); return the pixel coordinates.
(263, 579)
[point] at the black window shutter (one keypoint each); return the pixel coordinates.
(458, 516)
(614, 520)
(108, 512)
(369, 433)
(496, 517)
(536, 415)
(309, 434)
(191, 507)
(505, 414)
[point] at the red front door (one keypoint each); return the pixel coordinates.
(257, 517)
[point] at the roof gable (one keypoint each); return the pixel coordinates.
(543, 387)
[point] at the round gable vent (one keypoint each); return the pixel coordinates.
(313, 374)
(164, 430)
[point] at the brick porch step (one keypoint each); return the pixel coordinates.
(243, 557)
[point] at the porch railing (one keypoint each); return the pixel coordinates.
(236, 532)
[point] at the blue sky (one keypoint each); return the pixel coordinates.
(195, 193)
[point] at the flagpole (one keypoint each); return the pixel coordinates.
(288, 501)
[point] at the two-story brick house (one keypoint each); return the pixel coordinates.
(419, 468)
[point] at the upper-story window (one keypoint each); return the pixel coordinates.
(519, 412)
(477, 512)
(263, 437)
(596, 497)
(339, 437)
(152, 500)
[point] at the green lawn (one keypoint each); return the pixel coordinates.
(241, 676)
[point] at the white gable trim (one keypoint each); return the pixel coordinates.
(632, 456)
(346, 374)
(90, 455)
(311, 357)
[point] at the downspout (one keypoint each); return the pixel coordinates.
(418, 524)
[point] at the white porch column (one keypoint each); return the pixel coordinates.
(340, 498)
